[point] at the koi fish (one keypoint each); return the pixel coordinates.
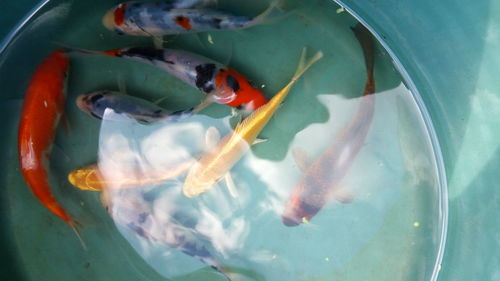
(321, 180)
(145, 112)
(215, 164)
(167, 18)
(222, 84)
(173, 228)
(91, 178)
(42, 108)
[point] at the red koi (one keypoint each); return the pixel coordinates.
(42, 109)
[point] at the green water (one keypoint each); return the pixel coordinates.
(391, 230)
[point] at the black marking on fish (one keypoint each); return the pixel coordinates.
(169, 62)
(217, 22)
(143, 217)
(143, 121)
(144, 52)
(119, 32)
(95, 115)
(232, 83)
(95, 98)
(204, 77)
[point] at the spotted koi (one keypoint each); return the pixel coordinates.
(222, 84)
(167, 18)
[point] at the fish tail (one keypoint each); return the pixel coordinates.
(70, 49)
(365, 39)
(304, 64)
(270, 14)
(76, 226)
(179, 115)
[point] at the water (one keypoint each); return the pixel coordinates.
(392, 229)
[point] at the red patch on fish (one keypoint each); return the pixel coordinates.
(246, 95)
(113, 53)
(120, 14)
(183, 22)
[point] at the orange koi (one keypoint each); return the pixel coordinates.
(322, 179)
(41, 111)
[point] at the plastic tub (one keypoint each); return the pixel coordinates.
(446, 54)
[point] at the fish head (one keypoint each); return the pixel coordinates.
(86, 178)
(235, 90)
(116, 20)
(300, 208)
(93, 103)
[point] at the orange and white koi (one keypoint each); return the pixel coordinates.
(215, 164)
(322, 179)
(166, 18)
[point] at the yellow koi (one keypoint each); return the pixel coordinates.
(91, 178)
(215, 164)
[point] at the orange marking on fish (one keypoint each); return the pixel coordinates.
(120, 14)
(246, 94)
(42, 108)
(183, 22)
(112, 53)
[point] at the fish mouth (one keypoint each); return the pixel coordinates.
(109, 20)
(82, 104)
(288, 221)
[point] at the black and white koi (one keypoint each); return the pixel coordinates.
(221, 83)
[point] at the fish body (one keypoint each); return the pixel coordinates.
(93, 179)
(322, 179)
(216, 163)
(167, 18)
(223, 84)
(96, 103)
(42, 108)
(170, 227)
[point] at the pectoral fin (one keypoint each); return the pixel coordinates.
(257, 141)
(158, 42)
(302, 159)
(208, 101)
(231, 187)
(212, 137)
(343, 196)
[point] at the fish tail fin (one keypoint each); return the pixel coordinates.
(305, 64)
(70, 49)
(273, 13)
(76, 226)
(365, 39)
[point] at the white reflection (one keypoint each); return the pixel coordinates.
(481, 130)
(225, 239)
(217, 229)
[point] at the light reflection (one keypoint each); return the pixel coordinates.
(219, 230)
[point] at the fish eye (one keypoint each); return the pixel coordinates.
(119, 31)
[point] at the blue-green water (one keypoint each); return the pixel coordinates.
(391, 230)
